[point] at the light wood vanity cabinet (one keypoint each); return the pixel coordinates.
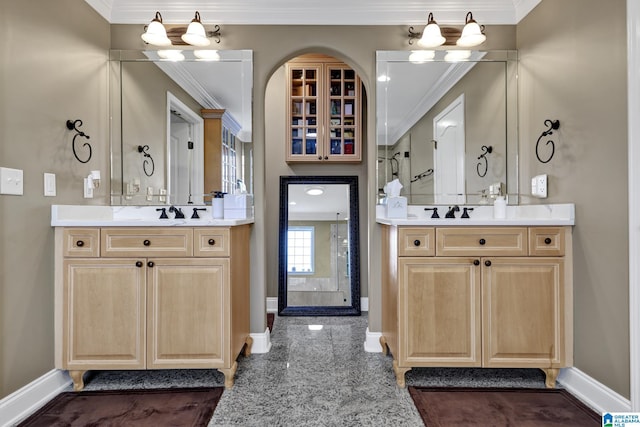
(151, 298)
(477, 297)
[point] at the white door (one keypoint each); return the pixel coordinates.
(448, 155)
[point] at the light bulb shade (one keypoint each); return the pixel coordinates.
(471, 33)
(196, 35)
(431, 35)
(156, 34)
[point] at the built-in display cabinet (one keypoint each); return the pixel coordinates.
(496, 297)
(323, 111)
(151, 298)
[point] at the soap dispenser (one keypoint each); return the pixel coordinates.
(500, 207)
(217, 205)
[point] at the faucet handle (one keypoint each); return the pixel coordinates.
(163, 215)
(435, 212)
(195, 212)
(465, 212)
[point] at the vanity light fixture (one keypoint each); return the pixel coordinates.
(195, 34)
(433, 35)
(472, 33)
(314, 191)
(155, 33)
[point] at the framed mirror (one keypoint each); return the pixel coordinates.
(447, 125)
(181, 125)
(319, 252)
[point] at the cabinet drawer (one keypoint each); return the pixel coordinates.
(546, 241)
(211, 242)
(81, 242)
(147, 242)
(460, 241)
(418, 241)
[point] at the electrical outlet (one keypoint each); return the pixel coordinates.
(539, 186)
(149, 194)
(163, 195)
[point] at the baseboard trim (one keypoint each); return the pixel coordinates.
(272, 304)
(261, 342)
(595, 394)
(372, 342)
(20, 404)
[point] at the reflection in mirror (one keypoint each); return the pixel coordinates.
(436, 119)
(319, 271)
(195, 117)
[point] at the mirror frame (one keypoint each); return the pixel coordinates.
(458, 68)
(240, 124)
(354, 249)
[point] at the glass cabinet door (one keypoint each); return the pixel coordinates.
(343, 111)
(304, 101)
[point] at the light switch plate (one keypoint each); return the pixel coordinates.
(11, 181)
(49, 184)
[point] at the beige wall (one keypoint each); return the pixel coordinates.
(573, 68)
(53, 68)
(48, 79)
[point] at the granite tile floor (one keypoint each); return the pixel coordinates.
(316, 377)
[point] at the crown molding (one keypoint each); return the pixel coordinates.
(316, 12)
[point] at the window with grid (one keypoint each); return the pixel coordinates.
(229, 166)
(300, 249)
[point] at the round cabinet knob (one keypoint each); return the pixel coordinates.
(547, 241)
(212, 242)
(476, 262)
(319, 157)
(416, 242)
(326, 157)
(79, 243)
(139, 264)
(150, 264)
(487, 263)
(147, 242)
(482, 241)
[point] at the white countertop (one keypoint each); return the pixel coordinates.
(134, 216)
(520, 215)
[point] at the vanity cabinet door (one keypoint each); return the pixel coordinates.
(439, 309)
(188, 304)
(523, 302)
(104, 314)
